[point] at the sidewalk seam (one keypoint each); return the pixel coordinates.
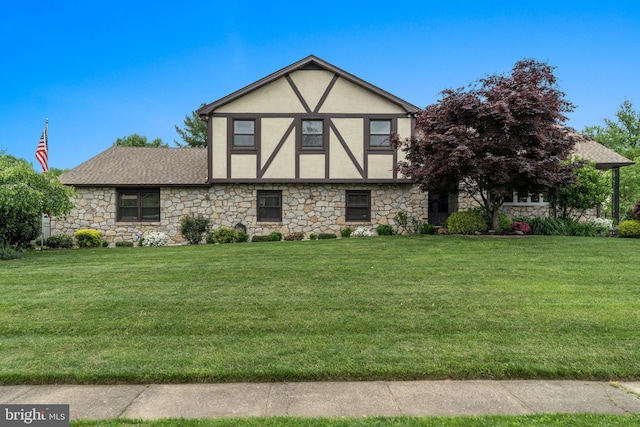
(611, 399)
(133, 400)
(394, 398)
(22, 394)
(515, 396)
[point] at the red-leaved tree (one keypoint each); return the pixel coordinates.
(503, 134)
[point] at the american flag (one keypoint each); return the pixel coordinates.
(42, 152)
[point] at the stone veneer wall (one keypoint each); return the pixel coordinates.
(521, 210)
(310, 208)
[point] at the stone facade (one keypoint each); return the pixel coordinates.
(308, 208)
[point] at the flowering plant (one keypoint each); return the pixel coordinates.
(521, 226)
(155, 238)
(362, 232)
(602, 222)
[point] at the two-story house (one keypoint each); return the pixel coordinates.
(303, 149)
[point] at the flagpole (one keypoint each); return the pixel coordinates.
(46, 147)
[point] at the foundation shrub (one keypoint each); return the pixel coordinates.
(522, 226)
(362, 232)
(193, 229)
(226, 235)
(313, 236)
(629, 228)
(298, 235)
(88, 238)
(346, 232)
(324, 236)
(426, 228)
(258, 238)
(385, 230)
(467, 222)
(155, 238)
(60, 241)
(275, 236)
(548, 226)
(124, 244)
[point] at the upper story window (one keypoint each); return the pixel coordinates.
(244, 134)
(139, 205)
(379, 133)
(312, 134)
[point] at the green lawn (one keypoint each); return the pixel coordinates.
(404, 307)
(589, 420)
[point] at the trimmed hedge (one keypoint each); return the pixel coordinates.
(60, 241)
(630, 228)
(88, 238)
(467, 222)
(324, 236)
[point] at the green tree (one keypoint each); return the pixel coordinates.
(24, 196)
(622, 135)
(135, 140)
(194, 133)
(590, 190)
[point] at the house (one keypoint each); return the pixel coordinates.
(305, 149)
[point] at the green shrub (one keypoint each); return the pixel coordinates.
(275, 236)
(88, 238)
(298, 235)
(467, 222)
(385, 230)
(105, 244)
(141, 241)
(227, 235)
(7, 252)
(313, 236)
(629, 228)
(548, 226)
(60, 241)
(426, 228)
(410, 224)
(346, 232)
(324, 236)
(194, 228)
(124, 244)
(585, 229)
(257, 238)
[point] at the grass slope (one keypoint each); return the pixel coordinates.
(403, 307)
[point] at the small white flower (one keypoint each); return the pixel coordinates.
(362, 232)
(602, 222)
(155, 238)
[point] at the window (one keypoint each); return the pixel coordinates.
(525, 199)
(139, 205)
(244, 134)
(380, 133)
(269, 206)
(312, 134)
(358, 205)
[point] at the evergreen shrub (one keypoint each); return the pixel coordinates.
(629, 228)
(466, 222)
(88, 238)
(60, 241)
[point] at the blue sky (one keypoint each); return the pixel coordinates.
(103, 70)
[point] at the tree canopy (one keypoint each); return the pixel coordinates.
(24, 196)
(502, 134)
(135, 140)
(194, 133)
(622, 135)
(591, 189)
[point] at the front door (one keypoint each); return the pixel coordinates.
(441, 206)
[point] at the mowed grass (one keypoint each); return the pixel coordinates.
(384, 308)
(590, 420)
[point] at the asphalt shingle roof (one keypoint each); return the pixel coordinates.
(121, 166)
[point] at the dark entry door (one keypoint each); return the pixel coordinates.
(441, 206)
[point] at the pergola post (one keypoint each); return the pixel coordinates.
(615, 180)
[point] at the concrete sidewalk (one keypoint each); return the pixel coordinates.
(327, 399)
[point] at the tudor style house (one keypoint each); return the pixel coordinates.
(305, 149)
